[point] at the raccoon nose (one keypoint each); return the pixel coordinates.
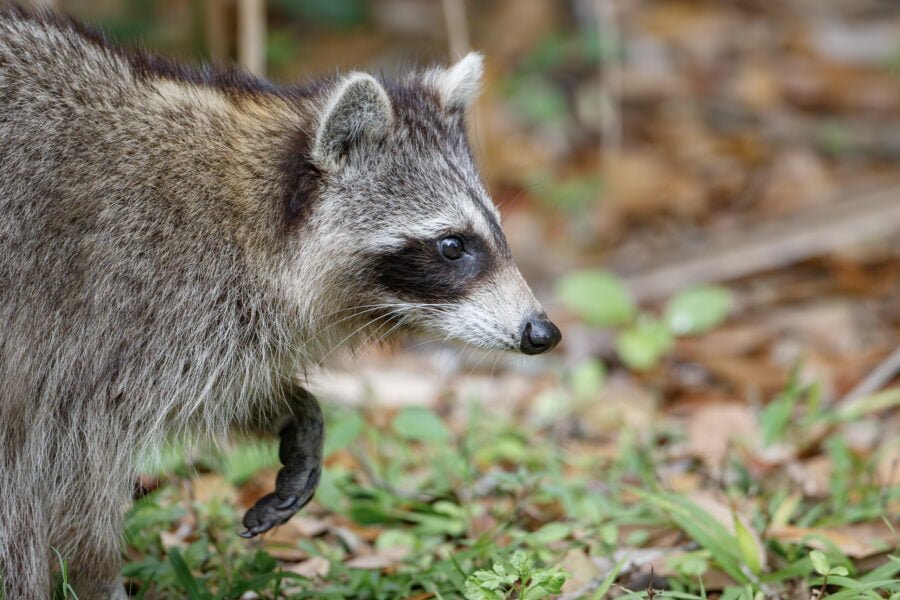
(540, 335)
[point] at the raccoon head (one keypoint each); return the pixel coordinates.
(411, 235)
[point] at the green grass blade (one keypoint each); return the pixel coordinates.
(185, 578)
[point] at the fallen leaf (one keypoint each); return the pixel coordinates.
(856, 541)
(714, 428)
(888, 473)
(378, 560)
(581, 568)
(316, 567)
(211, 486)
(171, 540)
(813, 476)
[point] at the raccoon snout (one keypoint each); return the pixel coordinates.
(539, 335)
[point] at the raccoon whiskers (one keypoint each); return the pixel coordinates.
(392, 310)
(370, 308)
(403, 320)
(353, 333)
(484, 356)
(401, 310)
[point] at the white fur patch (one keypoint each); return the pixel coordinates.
(459, 85)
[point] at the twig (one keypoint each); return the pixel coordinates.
(369, 469)
(875, 380)
(252, 35)
(634, 558)
(457, 28)
(216, 30)
(814, 233)
(610, 75)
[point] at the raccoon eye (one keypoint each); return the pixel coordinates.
(451, 247)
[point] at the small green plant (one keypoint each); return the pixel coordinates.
(603, 300)
(448, 506)
(517, 576)
(64, 590)
(823, 567)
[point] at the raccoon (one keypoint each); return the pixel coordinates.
(177, 243)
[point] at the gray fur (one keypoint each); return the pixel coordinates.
(358, 108)
(176, 244)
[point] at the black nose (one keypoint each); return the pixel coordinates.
(540, 335)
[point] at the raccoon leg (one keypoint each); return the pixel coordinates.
(301, 454)
(24, 545)
(92, 548)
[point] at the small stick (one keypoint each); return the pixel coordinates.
(457, 29)
(252, 35)
(877, 379)
(610, 82)
(842, 224)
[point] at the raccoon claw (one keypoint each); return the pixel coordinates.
(271, 511)
(266, 514)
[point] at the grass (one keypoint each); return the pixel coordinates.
(493, 507)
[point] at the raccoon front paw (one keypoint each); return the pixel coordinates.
(300, 452)
(290, 495)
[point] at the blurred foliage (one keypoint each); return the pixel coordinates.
(602, 300)
(329, 13)
(465, 528)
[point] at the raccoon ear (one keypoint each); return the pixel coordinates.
(358, 108)
(459, 85)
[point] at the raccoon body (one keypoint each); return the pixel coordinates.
(176, 243)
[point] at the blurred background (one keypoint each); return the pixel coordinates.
(706, 196)
(672, 142)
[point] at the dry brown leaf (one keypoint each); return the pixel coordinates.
(645, 183)
(798, 180)
(713, 579)
(211, 486)
(714, 428)
(262, 483)
(286, 553)
(734, 340)
(703, 30)
(749, 374)
(297, 528)
(352, 541)
(888, 472)
(382, 559)
(856, 541)
(833, 324)
(621, 402)
(755, 85)
(813, 476)
(581, 568)
(681, 482)
(315, 567)
(171, 540)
